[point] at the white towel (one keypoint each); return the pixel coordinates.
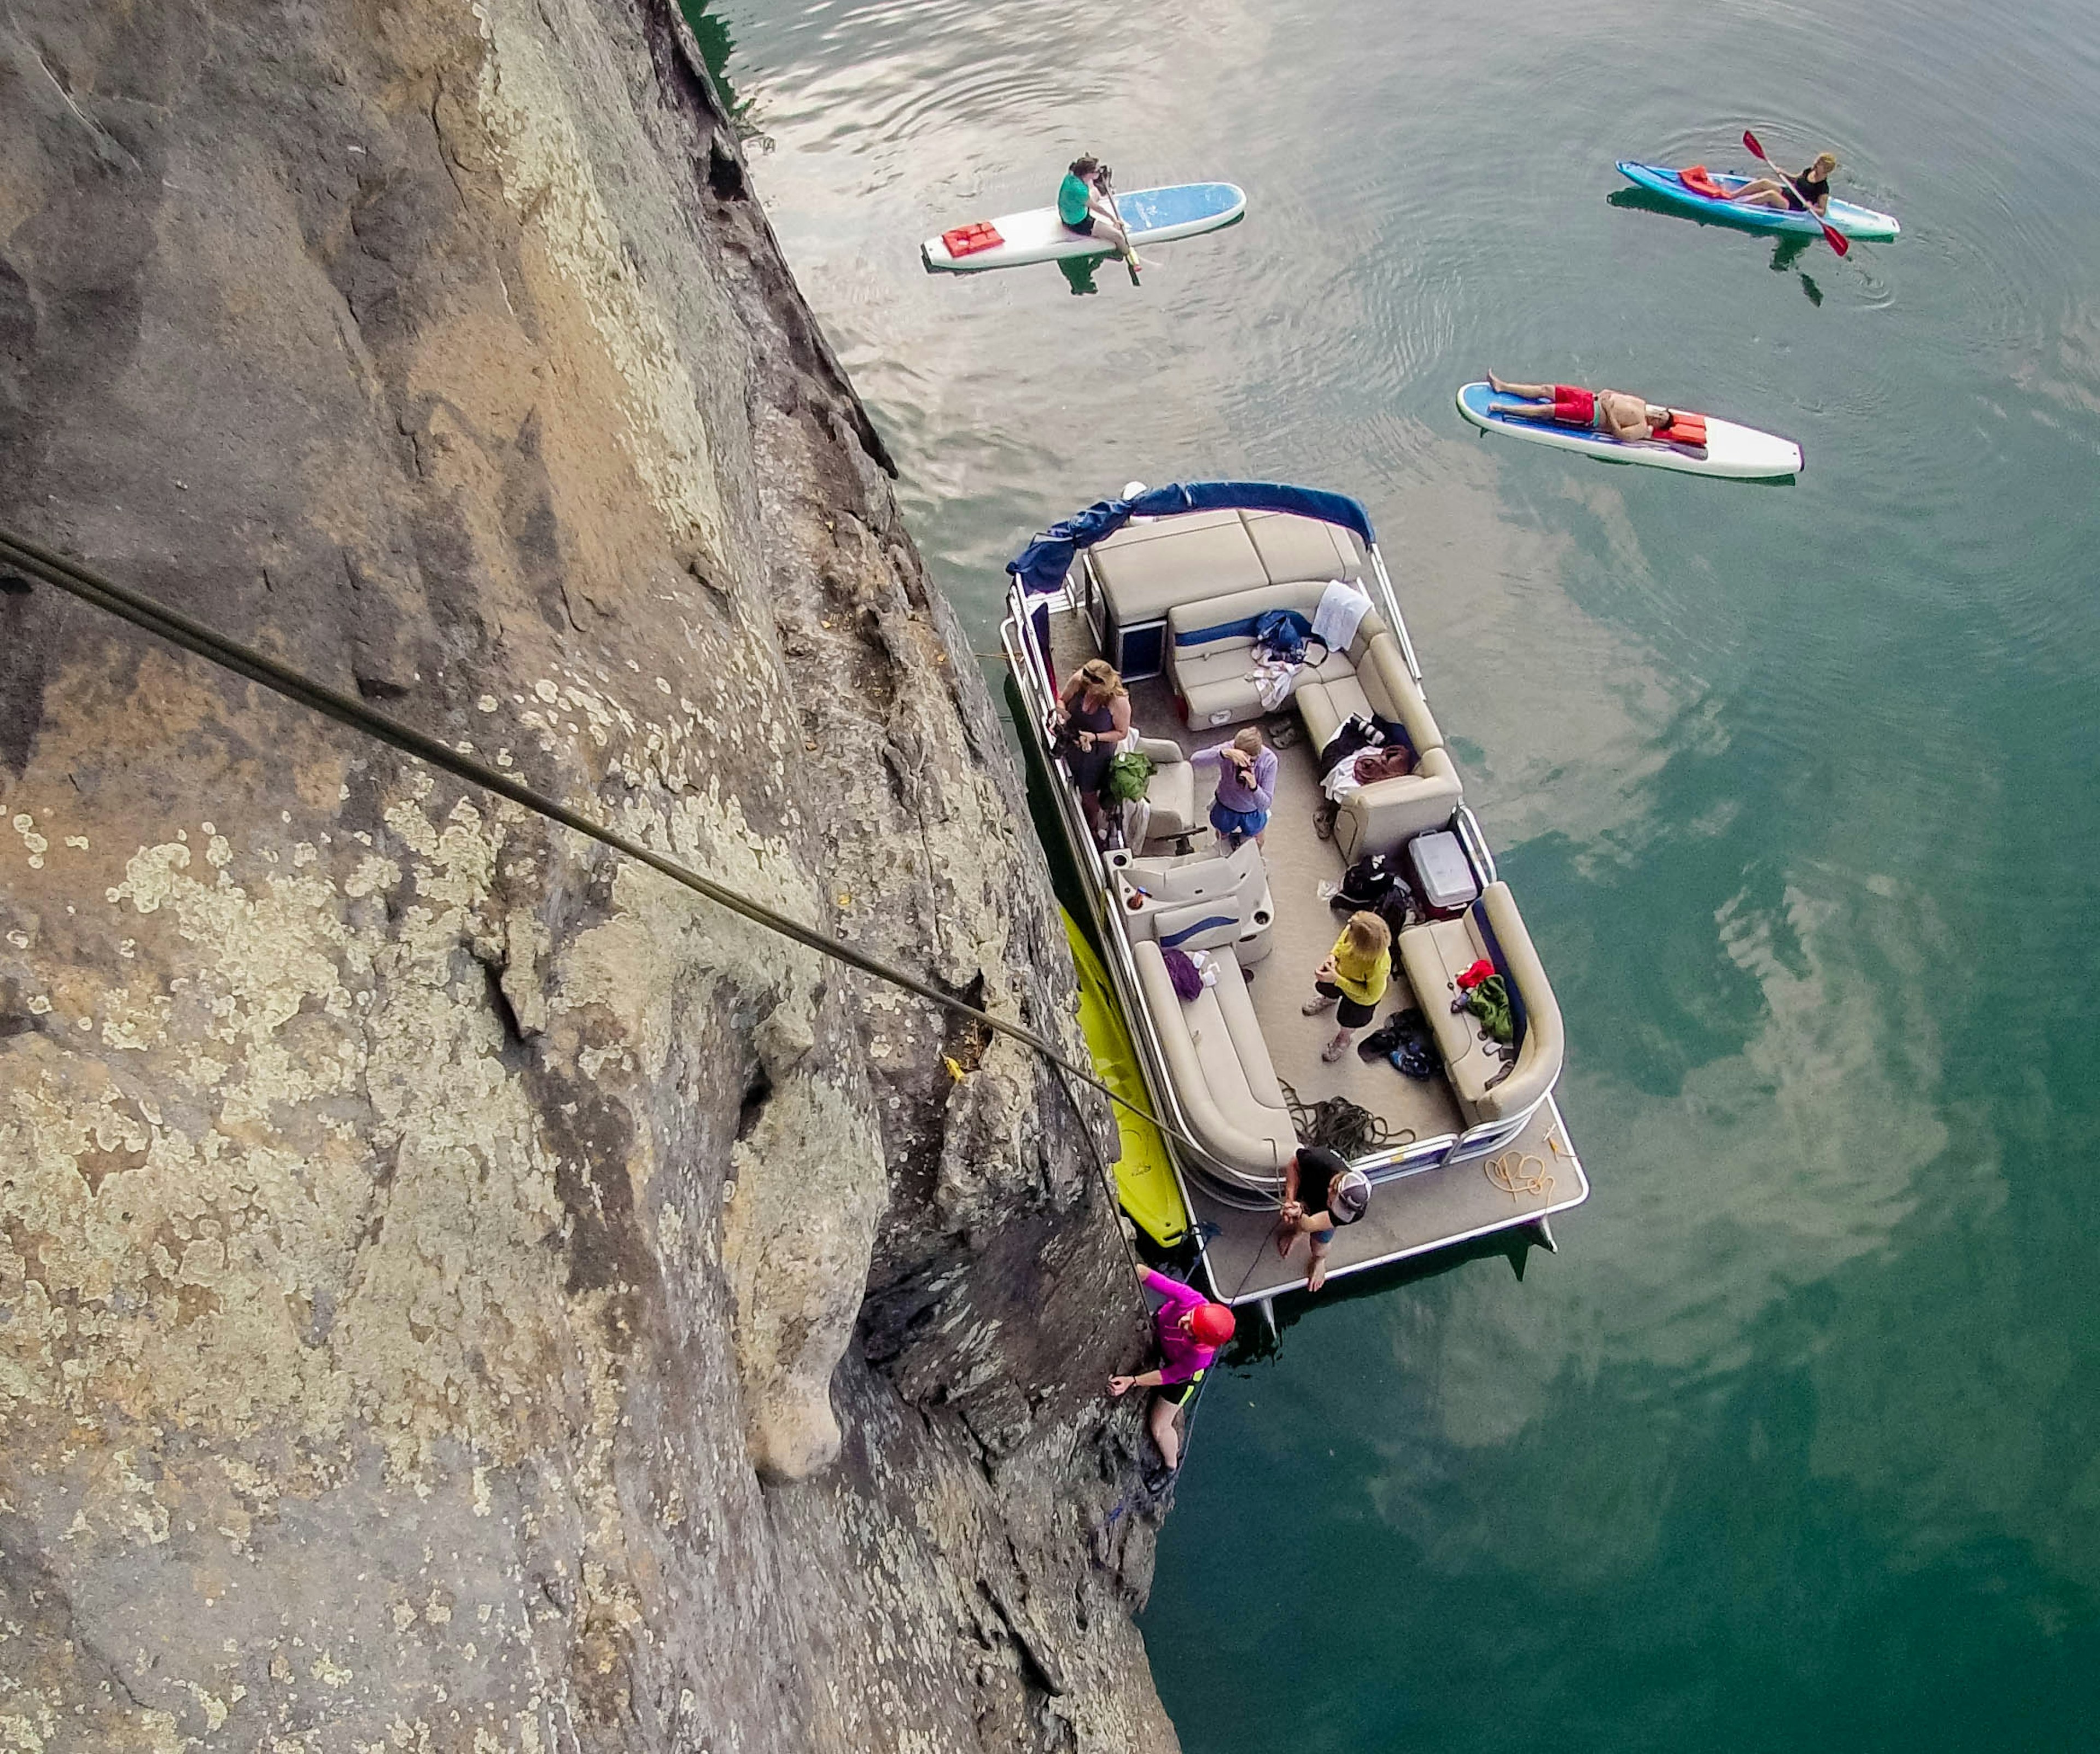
(1342, 608)
(1341, 779)
(1272, 681)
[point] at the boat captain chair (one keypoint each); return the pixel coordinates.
(1168, 809)
(1197, 901)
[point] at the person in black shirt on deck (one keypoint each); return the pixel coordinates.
(1320, 1191)
(1770, 191)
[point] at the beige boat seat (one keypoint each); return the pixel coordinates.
(1219, 1067)
(1209, 650)
(1169, 808)
(1372, 676)
(1433, 956)
(1149, 565)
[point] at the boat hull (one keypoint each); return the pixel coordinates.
(1862, 223)
(1732, 452)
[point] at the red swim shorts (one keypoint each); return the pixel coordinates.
(1573, 407)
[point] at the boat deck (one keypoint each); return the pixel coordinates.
(1298, 862)
(1410, 1215)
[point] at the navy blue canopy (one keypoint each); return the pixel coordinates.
(1041, 566)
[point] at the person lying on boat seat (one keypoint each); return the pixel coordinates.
(1189, 1329)
(1771, 192)
(1093, 717)
(1319, 1192)
(1614, 412)
(1246, 786)
(1083, 205)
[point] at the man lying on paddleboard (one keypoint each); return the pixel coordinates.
(1612, 412)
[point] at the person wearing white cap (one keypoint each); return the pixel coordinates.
(1321, 1191)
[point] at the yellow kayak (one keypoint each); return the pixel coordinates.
(1144, 1176)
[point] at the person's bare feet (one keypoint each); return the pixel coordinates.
(1285, 1235)
(1497, 385)
(1318, 1276)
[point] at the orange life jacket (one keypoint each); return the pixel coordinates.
(1683, 429)
(967, 240)
(1696, 178)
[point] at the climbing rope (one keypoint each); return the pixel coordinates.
(1341, 1125)
(207, 643)
(1507, 1173)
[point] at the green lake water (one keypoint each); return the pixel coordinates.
(1796, 1444)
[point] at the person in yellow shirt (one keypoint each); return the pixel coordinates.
(1354, 978)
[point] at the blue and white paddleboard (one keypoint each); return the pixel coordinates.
(1861, 222)
(1155, 216)
(1742, 454)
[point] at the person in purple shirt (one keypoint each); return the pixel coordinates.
(1246, 786)
(1190, 1330)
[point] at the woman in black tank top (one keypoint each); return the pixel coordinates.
(1770, 191)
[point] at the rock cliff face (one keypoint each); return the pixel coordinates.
(457, 1290)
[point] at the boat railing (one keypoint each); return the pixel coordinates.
(1389, 605)
(1028, 662)
(1476, 843)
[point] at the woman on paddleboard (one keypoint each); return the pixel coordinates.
(1771, 192)
(1614, 412)
(1078, 210)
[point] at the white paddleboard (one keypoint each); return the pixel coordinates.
(1155, 216)
(1741, 453)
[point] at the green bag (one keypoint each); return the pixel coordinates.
(1128, 775)
(1489, 1002)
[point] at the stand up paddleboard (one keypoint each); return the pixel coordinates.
(1154, 216)
(1741, 453)
(1860, 222)
(1146, 1186)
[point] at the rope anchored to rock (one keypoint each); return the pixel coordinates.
(141, 611)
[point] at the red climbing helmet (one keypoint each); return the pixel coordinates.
(1211, 1323)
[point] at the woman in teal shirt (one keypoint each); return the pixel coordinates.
(1078, 210)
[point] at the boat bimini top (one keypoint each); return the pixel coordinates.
(1041, 566)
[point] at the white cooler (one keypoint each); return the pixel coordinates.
(1442, 875)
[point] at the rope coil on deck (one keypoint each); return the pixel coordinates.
(1507, 1173)
(1340, 1124)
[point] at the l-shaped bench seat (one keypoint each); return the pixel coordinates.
(1434, 954)
(1219, 1065)
(1211, 659)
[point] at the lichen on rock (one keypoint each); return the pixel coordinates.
(462, 1290)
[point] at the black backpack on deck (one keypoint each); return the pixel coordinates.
(1366, 883)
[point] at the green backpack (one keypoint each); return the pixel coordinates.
(1129, 773)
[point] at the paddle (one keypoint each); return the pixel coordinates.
(1837, 239)
(1115, 213)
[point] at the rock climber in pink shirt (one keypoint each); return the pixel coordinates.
(1190, 1328)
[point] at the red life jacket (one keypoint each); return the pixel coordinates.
(1696, 178)
(967, 240)
(1684, 429)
